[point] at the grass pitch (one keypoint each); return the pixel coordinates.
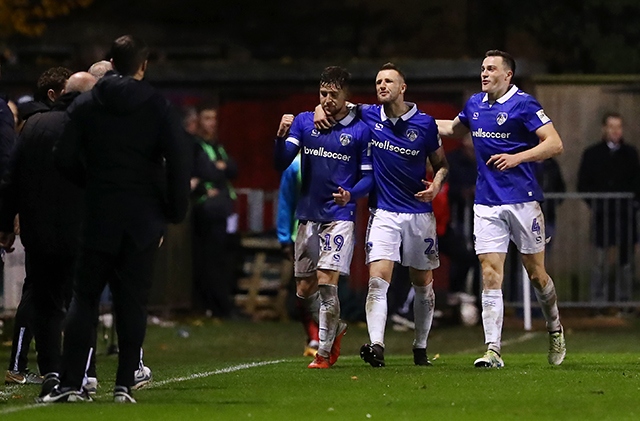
(253, 371)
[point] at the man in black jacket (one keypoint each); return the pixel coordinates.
(50, 209)
(611, 165)
(124, 142)
(50, 85)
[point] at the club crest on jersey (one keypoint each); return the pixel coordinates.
(315, 133)
(412, 134)
(501, 118)
(345, 139)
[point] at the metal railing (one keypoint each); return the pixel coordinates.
(591, 255)
(258, 209)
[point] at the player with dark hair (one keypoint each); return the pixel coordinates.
(511, 133)
(336, 170)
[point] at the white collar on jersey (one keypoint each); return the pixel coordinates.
(504, 98)
(406, 116)
(346, 120)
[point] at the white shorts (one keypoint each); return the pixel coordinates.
(494, 226)
(416, 232)
(323, 245)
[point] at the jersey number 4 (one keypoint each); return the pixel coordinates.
(535, 226)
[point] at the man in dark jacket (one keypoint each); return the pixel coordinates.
(50, 86)
(611, 165)
(214, 196)
(124, 142)
(50, 209)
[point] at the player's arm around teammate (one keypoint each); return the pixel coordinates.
(510, 131)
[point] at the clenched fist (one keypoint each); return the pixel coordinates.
(285, 125)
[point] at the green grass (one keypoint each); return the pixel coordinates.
(599, 380)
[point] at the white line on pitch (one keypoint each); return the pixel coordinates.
(8, 393)
(212, 373)
(522, 338)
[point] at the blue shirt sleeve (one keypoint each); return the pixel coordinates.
(365, 184)
(287, 201)
(433, 138)
(288, 147)
(533, 115)
(462, 115)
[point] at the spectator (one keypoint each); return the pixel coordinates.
(190, 121)
(611, 165)
(214, 201)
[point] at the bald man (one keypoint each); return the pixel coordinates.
(100, 68)
(80, 82)
(50, 209)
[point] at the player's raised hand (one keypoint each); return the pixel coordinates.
(503, 161)
(342, 197)
(285, 125)
(428, 193)
(320, 119)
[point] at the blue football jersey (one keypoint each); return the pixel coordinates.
(400, 149)
(506, 126)
(329, 159)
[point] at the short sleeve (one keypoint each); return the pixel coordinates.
(533, 115)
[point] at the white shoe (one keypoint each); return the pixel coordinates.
(91, 386)
(65, 394)
(141, 378)
(490, 359)
(557, 348)
(122, 395)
